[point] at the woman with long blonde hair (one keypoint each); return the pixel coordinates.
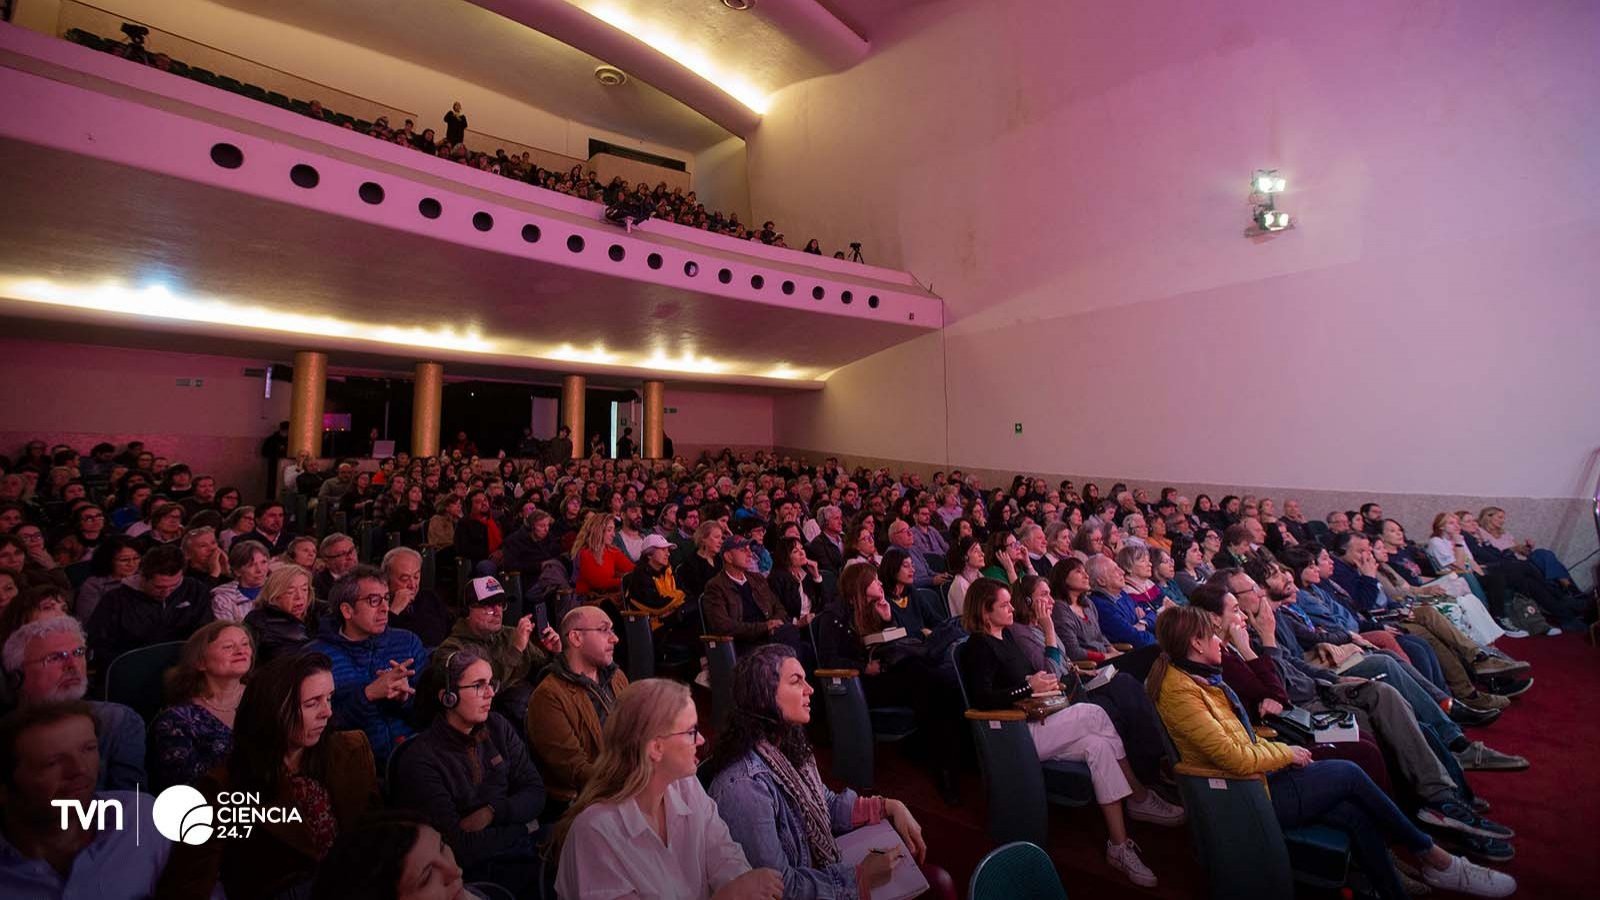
(600, 563)
(642, 825)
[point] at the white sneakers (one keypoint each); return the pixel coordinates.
(1155, 810)
(1467, 878)
(1125, 858)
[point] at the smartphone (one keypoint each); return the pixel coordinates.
(541, 618)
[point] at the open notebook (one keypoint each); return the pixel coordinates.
(907, 880)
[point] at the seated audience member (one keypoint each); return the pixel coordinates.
(47, 756)
(165, 525)
(927, 538)
(286, 751)
(598, 562)
(116, 558)
(10, 587)
(479, 535)
(238, 523)
(517, 655)
(337, 555)
(392, 855)
(1005, 557)
(1187, 559)
(194, 734)
(652, 587)
(409, 518)
(570, 706)
(764, 779)
(1123, 698)
(1492, 522)
(364, 645)
(1164, 571)
(527, 549)
(35, 603)
(1451, 594)
(469, 773)
(278, 620)
(864, 549)
(1503, 575)
(46, 662)
(413, 607)
(739, 602)
(996, 675)
(643, 826)
(911, 608)
(232, 601)
(1212, 739)
(302, 551)
(896, 673)
(1077, 622)
(696, 571)
(1058, 546)
(965, 561)
(269, 530)
(204, 558)
(828, 547)
(35, 569)
(1138, 573)
(1122, 620)
(157, 604)
(797, 581)
(441, 532)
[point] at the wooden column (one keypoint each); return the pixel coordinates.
(306, 403)
(427, 408)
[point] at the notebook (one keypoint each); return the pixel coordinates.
(907, 880)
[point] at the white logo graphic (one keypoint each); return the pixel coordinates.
(182, 814)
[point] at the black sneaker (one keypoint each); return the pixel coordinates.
(1460, 817)
(1478, 849)
(1462, 714)
(1508, 687)
(1480, 805)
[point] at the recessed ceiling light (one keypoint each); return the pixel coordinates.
(739, 5)
(610, 76)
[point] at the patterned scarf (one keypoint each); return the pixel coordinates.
(805, 787)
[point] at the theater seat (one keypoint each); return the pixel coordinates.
(856, 729)
(1019, 786)
(135, 679)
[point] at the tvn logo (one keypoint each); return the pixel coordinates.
(182, 815)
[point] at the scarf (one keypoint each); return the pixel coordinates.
(1210, 674)
(805, 788)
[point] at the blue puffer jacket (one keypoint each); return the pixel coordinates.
(355, 665)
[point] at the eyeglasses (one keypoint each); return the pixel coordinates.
(375, 600)
(607, 629)
(341, 554)
(693, 733)
(481, 688)
(59, 657)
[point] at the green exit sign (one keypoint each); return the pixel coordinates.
(1017, 428)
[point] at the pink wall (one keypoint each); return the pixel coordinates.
(80, 395)
(717, 419)
(1071, 178)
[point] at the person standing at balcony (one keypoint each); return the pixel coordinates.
(455, 125)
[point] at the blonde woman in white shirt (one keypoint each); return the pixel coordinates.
(643, 826)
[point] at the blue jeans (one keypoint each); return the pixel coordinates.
(1424, 660)
(1549, 566)
(1336, 793)
(1423, 703)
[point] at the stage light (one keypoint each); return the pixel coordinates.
(1268, 181)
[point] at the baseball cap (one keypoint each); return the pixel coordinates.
(735, 542)
(655, 542)
(486, 590)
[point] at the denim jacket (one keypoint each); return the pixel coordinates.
(767, 823)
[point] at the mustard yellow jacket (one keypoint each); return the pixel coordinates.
(1209, 736)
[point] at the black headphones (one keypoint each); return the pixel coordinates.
(449, 697)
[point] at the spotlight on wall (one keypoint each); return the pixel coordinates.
(1265, 186)
(1268, 181)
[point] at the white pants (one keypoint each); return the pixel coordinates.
(1466, 611)
(1083, 733)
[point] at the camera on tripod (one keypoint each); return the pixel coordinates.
(855, 252)
(136, 33)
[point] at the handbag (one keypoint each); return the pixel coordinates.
(1294, 726)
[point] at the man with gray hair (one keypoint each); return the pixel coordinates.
(828, 547)
(412, 606)
(204, 558)
(1136, 530)
(1122, 620)
(338, 554)
(46, 661)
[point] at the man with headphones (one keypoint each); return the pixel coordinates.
(470, 774)
(46, 662)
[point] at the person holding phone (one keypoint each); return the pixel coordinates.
(996, 675)
(518, 659)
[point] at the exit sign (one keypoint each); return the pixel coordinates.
(671, 410)
(1017, 428)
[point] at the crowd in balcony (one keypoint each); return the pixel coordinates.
(444, 632)
(641, 200)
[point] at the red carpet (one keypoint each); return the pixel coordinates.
(1554, 806)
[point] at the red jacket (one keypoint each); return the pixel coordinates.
(602, 576)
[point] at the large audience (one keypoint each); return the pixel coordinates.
(634, 202)
(425, 741)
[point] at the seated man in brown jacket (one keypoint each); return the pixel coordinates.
(739, 602)
(569, 707)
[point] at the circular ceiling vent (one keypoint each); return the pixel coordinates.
(739, 5)
(610, 76)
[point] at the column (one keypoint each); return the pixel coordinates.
(306, 403)
(572, 396)
(655, 400)
(426, 408)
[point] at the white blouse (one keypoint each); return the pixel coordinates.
(612, 852)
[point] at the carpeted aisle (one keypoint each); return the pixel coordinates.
(1554, 806)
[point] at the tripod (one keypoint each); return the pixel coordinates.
(855, 253)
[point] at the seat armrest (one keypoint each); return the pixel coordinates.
(996, 715)
(838, 673)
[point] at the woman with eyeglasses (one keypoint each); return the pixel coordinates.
(117, 557)
(643, 826)
(470, 775)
